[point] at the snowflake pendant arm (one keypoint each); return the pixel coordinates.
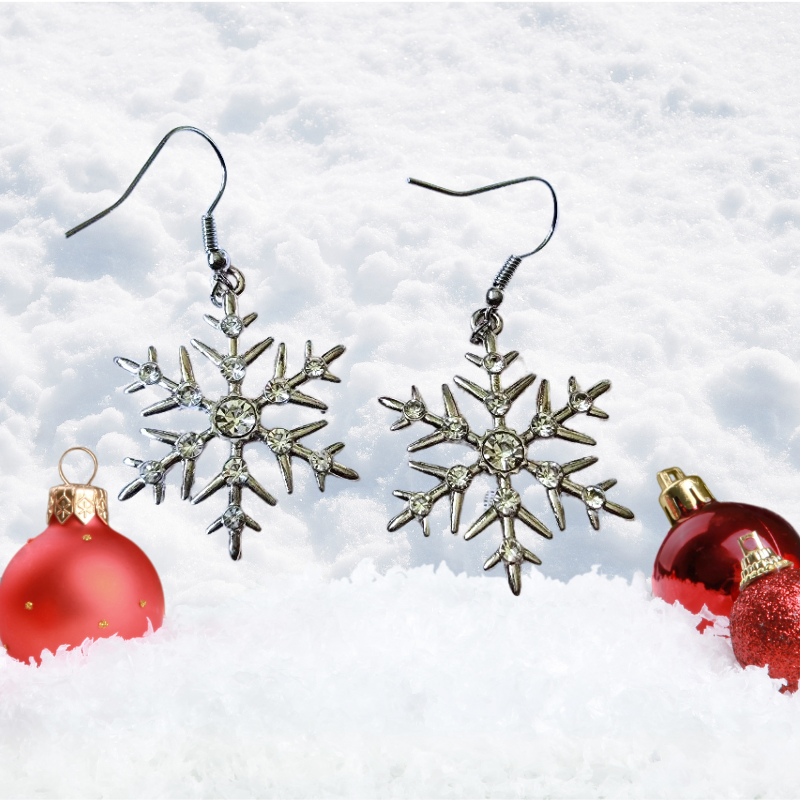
(512, 554)
(594, 498)
(280, 390)
(451, 427)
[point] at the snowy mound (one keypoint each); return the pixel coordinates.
(416, 683)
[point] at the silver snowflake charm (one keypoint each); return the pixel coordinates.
(235, 419)
(502, 452)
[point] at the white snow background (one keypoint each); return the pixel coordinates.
(336, 658)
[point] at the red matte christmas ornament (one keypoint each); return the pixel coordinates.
(765, 621)
(698, 562)
(78, 580)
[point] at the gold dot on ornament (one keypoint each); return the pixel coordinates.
(86, 537)
(143, 603)
(29, 605)
(102, 623)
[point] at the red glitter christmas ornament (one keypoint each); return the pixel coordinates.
(765, 621)
(698, 563)
(78, 580)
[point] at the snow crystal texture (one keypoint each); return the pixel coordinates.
(333, 659)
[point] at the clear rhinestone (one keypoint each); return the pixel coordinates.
(279, 442)
(277, 391)
(315, 367)
(506, 502)
(414, 410)
(498, 404)
(151, 471)
(455, 428)
(188, 395)
(231, 326)
(321, 462)
(235, 471)
(458, 477)
(233, 369)
(549, 474)
(493, 363)
(420, 505)
(511, 552)
(149, 373)
(503, 451)
(189, 445)
(234, 417)
(594, 497)
(580, 401)
(543, 425)
(233, 518)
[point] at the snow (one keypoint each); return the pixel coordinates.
(333, 659)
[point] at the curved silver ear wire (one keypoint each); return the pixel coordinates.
(218, 259)
(495, 294)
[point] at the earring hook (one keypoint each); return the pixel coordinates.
(495, 294)
(225, 276)
(159, 148)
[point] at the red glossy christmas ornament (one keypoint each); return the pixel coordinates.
(78, 580)
(698, 562)
(765, 621)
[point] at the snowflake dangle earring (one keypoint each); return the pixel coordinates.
(502, 451)
(233, 417)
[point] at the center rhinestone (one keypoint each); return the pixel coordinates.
(420, 505)
(277, 391)
(458, 477)
(189, 445)
(549, 474)
(279, 442)
(149, 373)
(234, 417)
(454, 427)
(503, 451)
(506, 502)
(580, 401)
(188, 395)
(543, 425)
(235, 471)
(231, 326)
(498, 404)
(414, 410)
(594, 497)
(493, 363)
(314, 367)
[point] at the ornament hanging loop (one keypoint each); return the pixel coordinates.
(61, 471)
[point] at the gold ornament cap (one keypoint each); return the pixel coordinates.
(681, 495)
(759, 561)
(82, 500)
